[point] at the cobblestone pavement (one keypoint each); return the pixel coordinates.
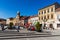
(26, 35)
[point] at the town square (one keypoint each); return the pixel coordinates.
(29, 20)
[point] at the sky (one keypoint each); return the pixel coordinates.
(9, 8)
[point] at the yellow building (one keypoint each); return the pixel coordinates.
(50, 15)
(16, 20)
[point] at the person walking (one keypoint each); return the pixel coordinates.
(17, 28)
(2, 27)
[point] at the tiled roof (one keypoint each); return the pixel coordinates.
(11, 18)
(58, 9)
(56, 3)
(1, 19)
(33, 16)
(23, 18)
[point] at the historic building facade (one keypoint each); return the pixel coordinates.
(33, 20)
(16, 20)
(2, 21)
(50, 15)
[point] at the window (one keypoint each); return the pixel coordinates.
(48, 16)
(52, 16)
(44, 17)
(44, 11)
(58, 25)
(58, 17)
(51, 25)
(51, 9)
(39, 13)
(39, 18)
(48, 10)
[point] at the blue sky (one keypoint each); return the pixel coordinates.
(8, 8)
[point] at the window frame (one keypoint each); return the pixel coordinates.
(51, 16)
(39, 13)
(52, 9)
(44, 11)
(48, 10)
(39, 18)
(48, 16)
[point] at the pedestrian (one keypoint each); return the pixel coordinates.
(2, 27)
(17, 28)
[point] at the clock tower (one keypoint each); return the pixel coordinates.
(18, 15)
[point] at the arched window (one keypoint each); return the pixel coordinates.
(39, 13)
(48, 10)
(52, 16)
(44, 17)
(39, 18)
(44, 11)
(51, 9)
(48, 16)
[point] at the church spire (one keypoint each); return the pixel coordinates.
(18, 15)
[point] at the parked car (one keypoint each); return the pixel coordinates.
(32, 28)
(13, 27)
(5, 27)
(26, 25)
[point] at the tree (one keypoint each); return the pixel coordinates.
(10, 25)
(38, 26)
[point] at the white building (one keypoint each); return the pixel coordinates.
(33, 20)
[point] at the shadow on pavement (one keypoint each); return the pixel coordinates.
(27, 35)
(31, 37)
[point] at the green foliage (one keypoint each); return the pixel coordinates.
(11, 24)
(38, 26)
